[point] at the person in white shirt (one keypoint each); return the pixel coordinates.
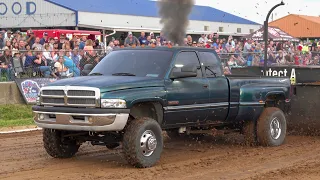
(203, 39)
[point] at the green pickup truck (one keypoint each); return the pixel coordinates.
(133, 94)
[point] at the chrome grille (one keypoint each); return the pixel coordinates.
(81, 101)
(52, 100)
(53, 92)
(70, 96)
(80, 93)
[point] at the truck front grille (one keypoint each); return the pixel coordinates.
(49, 100)
(80, 93)
(53, 92)
(81, 101)
(70, 96)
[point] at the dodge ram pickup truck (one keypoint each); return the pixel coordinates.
(135, 93)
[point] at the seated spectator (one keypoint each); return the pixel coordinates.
(46, 52)
(60, 69)
(5, 64)
(69, 64)
(232, 62)
(17, 64)
(40, 64)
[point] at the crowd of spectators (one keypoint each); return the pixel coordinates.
(56, 57)
(61, 57)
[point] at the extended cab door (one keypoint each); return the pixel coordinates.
(218, 86)
(187, 98)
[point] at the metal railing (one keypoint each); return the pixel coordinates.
(19, 65)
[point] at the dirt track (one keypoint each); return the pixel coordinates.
(222, 157)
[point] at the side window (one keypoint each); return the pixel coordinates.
(211, 64)
(187, 58)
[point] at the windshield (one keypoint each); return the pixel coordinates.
(141, 63)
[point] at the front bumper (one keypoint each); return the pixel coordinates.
(80, 119)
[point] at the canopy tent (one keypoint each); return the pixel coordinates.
(274, 33)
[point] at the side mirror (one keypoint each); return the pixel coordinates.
(186, 71)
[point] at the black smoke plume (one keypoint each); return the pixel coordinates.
(174, 17)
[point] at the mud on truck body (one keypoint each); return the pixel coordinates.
(134, 94)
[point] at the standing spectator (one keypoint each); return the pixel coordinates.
(162, 38)
(1, 41)
(203, 39)
(44, 39)
(158, 41)
(61, 42)
(152, 35)
(131, 40)
(143, 39)
(83, 42)
(76, 57)
(89, 46)
(9, 36)
(37, 44)
(189, 38)
(116, 44)
(110, 47)
(5, 60)
(15, 48)
(18, 35)
(31, 38)
(7, 45)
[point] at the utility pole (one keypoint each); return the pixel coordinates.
(266, 35)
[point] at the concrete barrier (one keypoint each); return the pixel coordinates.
(10, 94)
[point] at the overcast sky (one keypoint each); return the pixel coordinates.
(256, 10)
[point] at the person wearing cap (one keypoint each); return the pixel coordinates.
(18, 35)
(44, 39)
(131, 40)
(194, 44)
(158, 41)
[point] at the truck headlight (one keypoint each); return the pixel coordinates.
(38, 101)
(113, 103)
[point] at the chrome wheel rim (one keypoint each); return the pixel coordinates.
(148, 143)
(275, 128)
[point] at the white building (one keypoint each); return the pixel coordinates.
(119, 15)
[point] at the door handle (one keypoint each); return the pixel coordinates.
(205, 85)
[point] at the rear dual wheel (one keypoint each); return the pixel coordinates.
(269, 130)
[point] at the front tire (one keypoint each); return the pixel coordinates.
(143, 142)
(271, 127)
(57, 146)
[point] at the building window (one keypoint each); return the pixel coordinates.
(220, 29)
(251, 30)
(238, 30)
(206, 28)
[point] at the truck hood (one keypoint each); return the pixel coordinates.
(110, 83)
